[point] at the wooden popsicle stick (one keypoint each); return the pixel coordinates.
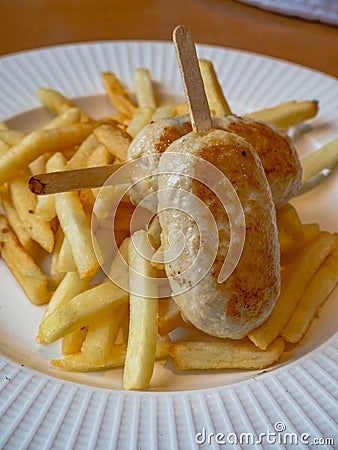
(192, 80)
(72, 180)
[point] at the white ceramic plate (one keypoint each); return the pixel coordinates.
(42, 407)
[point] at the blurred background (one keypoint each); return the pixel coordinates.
(38, 23)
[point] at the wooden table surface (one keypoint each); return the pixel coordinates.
(27, 24)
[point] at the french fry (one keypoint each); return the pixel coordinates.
(17, 225)
(76, 227)
(100, 338)
(289, 221)
(140, 118)
(70, 116)
(169, 316)
(99, 157)
(70, 286)
(4, 147)
(45, 204)
(122, 335)
(290, 230)
(217, 102)
(11, 137)
(115, 140)
(294, 284)
(154, 233)
(24, 202)
(310, 232)
(78, 362)
(57, 102)
(141, 348)
(225, 354)
(39, 142)
(318, 290)
(88, 201)
(167, 110)
(39, 164)
(287, 114)
(72, 342)
(28, 274)
(144, 89)
(80, 157)
(92, 304)
(66, 261)
(325, 159)
(55, 275)
(182, 108)
(117, 94)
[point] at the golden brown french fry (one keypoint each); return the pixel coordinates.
(299, 274)
(224, 354)
(4, 147)
(88, 201)
(70, 286)
(310, 232)
(57, 102)
(182, 108)
(17, 225)
(55, 275)
(290, 231)
(78, 362)
(162, 111)
(45, 204)
(324, 159)
(154, 233)
(141, 348)
(117, 94)
(72, 342)
(115, 140)
(39, 142)
(318, 290)
(140, 118)
(76, 227)
(144, 89)
(169, 316)
(79, 159)
(100, 338)
(217, 102)
(24, 202)
(70, 116)
(11, 137)
(82, 309)
(99, 157)
(289, 221)
(39, 164)
(28, 274)
(287, 114)
(66, 261)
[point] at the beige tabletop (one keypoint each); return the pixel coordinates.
(39, 23)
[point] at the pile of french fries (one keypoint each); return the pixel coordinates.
(100, 325)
